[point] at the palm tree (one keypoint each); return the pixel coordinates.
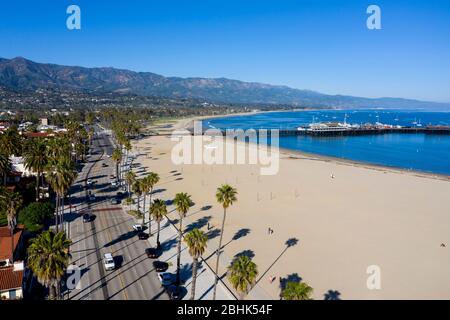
(61, 176)
(196, 241)
(242, 274)
(182, 203)
(5, 165)
(11, 142)
(158, 210)
(48, 258)
(297, 291)
(11, 201)
(149, 183)
(225, 195)
(117, 158)
(137, 190)
(130, 179)
(35, 157)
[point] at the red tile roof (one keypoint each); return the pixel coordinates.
(5, 241)
(10, 279)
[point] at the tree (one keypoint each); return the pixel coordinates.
(117, 158)
(242, 274)
(48, 258)
(34, 215)
(137, 190)
(61, 176)
(35, 157)
(158, 210)
(297, 291)
(148, 183)
(11, 142)
(196, 241)
(182, 203)
(130, 179)
(225, 195)
(5, 165)
(11, 201)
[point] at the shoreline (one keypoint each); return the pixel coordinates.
(187, 124)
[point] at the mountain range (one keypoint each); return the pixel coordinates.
(22, 74)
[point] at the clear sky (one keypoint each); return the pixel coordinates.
(322, 45)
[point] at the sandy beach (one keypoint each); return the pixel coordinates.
(343, 217)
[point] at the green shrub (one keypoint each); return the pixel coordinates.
(34, 215)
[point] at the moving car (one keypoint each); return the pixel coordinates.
(108, 261)
(142, 235)
(86, 217)
(152, 253)
(166, 278)
(104, 165)
(114, 200)
(160, 266)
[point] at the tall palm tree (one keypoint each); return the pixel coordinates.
(149, 183)
(48, 258)
(242, 274)
(225, 195)
(35, 156)
(182, 203)
(196, 241)
(5, 165)
(297, 291)
(11, 201)
(60, 177)
(137, 190)
(158, 210)
(11, 142)
(130, 179)
(117, 158)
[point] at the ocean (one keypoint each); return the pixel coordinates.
(418, 152)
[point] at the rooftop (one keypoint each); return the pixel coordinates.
(10, 279)
(5, 241)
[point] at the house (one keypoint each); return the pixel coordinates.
(11, 274)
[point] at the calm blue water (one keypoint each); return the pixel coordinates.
(420, 152)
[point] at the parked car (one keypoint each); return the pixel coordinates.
(138, 227)
(142, 235)
(104, 165)
(91, 197)
(160, 266)
(89, 182)
(86, 217)
(119, 195)
(152, 253)
(166, 278)
(175, 292)
(114, 183)
(108, 262)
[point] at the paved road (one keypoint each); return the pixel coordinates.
(110, 231)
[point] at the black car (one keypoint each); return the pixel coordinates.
(175, 292)
(86, 217)
(114, 201)
(152, 253)
(160, 266)
(142, 236)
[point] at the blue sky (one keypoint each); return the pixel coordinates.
(321, 45)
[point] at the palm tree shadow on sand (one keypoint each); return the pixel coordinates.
(289, 243)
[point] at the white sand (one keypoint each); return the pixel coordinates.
(364, 216)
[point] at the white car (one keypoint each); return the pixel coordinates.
(114, 183)
(166, 278)
(108, 261)
(89, 182)
(138, 227)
